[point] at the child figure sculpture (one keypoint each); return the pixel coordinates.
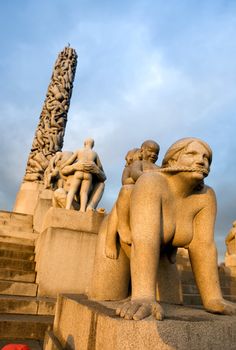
(138, 162)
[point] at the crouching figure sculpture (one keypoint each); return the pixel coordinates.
(168, 207)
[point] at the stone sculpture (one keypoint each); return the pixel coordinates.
(169, 207)
(82, 164)
(50, 131)
(77, 179)
(230, 240)
(230, 255)
(138, 161)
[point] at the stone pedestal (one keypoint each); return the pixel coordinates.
(27, 197)
(65, 251)
(82, 324)
(44, 203)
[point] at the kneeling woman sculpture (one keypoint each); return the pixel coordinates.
(170, 206)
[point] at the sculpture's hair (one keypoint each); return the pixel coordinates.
(150, 143)
(131, 153)
(178, 147)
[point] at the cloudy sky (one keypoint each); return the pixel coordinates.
(147, 69)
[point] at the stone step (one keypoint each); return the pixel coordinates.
(32, 344)
(192, 299)
(24, 326)
(14, 246)
(27, 305)
(10, 224)
(18, 288)
(15, 230)
(28, 239)
(10, 215)
(190, 289)
(16, 254)
(17, 275)
(230, 298)
(17, 264)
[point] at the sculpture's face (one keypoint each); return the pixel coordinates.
(129, 158)
(150, 153)
(195, 156)
(137, 155)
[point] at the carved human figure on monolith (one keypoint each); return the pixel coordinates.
(169, 207)
(51, 128)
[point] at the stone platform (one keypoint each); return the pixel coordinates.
(65, 251)
(83, 324)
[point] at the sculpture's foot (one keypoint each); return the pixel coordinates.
(101, 210)
(221, 306)
(111, 251)
(89, 208)
(139, 309)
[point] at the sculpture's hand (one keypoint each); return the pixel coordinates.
(79, 166)
(139, 309)
(221, 306)
(90, 167)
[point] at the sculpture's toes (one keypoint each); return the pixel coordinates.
(143, 311)
(111, 253)
(131, 311)
(137, 310)
(230, 308)
(221, 306)
(121, 311)
(158, 312)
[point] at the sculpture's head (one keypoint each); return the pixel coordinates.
(150, 151)
(89, 142)
(189, 154)
(132, 155)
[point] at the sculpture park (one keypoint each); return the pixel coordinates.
(144, 275)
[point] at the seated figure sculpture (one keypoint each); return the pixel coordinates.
(78, 174)
(138, 161)
(170, 206)
(131, 156)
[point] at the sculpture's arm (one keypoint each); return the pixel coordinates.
(97, 170)
(203, 257)
(70, 160)
(136, 170)
(145, 215)
(110, 247)
(126, 178)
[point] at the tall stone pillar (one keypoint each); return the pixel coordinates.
(49, 134)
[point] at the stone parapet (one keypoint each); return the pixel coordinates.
(82, 324)
(65, 251)
(73, 220)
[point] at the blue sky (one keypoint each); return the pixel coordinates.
(146, 69)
